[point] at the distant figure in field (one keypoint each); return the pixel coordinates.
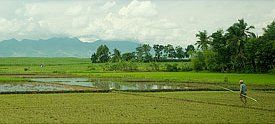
(41, 65)
(243, 92)
(27, 69)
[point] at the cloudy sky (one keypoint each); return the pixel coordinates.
(156, 21)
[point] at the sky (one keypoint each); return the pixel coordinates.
(154, 22)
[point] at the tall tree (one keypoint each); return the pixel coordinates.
(180, 54)
(139, 53)
(116, 56)
(251, 50)
(222, 54)
(237, 50)
(189, 50)
(94, 58)
(143, 53)
(237, 35)
(269, 32)
(265, 54)
(102, 54)
(158, 51)
(147, 57)
(203, 42)
(169, 51)
(128, 56)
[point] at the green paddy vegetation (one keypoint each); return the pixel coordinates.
(198, 77)
(10, 68)
(129, 107)
(119, 107)
(7, 79)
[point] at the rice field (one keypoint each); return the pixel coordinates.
(75, 67)
(208, 105)
(120, 107)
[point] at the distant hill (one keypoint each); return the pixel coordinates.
(59, 47)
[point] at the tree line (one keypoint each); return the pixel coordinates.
(237, 49)
(143, 53)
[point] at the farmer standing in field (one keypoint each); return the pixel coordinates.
(243, 92)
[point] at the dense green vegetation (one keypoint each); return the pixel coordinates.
(12, 68)
(236, 50)
(70, 65)
(4, 79)
(143, 53)
(173, 107)
(261, 79)
(34, 61)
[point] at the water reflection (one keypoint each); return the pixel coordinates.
(30, 87)
(108, 85)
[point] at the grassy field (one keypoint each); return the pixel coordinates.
(12, 79)
(73, 65)
(10, 67)
(119, 107)
(200, 77)
(36, 61)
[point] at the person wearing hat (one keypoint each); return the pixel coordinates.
(243, 92)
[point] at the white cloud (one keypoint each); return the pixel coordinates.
(135, 27)
(151, 22)
(74, 10)
(108, 5)
(272, 14)
(138, 9)
(5, 24)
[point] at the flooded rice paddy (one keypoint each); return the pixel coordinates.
(68, 84)
(107, 85)
(31, 87)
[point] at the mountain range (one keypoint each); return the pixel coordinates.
(60, 47)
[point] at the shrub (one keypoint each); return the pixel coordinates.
(120, 66)
(185, 67)
(198, 61)
(153, 66)
(172, 67)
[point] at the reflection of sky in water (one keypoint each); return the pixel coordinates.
(67, 81)
(167, 87)
(123, 87)
(30, 87)
(106, 85)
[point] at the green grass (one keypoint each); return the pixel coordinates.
(66, 65)
(83, 67)
(168, 107)
(200, 77)
(264, 99)
(55, 66)
(12, 79)
(127, 107)
(36, 61)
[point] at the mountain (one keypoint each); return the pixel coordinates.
(59, 47)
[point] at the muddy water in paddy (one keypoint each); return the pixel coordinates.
(108, 85)
(73, 84)
(30, 87)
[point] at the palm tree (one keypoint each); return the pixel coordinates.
(203, 41)
(237, 35)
